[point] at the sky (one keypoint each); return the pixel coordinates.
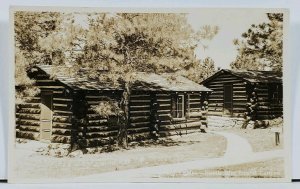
(232, 24)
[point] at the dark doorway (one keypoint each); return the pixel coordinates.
(46, 115)
(228, 95)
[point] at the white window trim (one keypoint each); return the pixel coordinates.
(182, 103)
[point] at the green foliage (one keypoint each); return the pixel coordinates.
(261, 46)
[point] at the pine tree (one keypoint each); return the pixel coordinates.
(261, 46)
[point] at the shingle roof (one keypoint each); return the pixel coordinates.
(79, 81)
(143, 81)
(252, 76)
(166, 82)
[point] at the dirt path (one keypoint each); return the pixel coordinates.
(236, 146)
(238, 151)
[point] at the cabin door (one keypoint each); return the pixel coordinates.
(46, 115)
(228, 96)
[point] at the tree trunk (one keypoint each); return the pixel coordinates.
(122, 134)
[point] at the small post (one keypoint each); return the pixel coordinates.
(277, 140)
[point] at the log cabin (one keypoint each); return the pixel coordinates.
(64, 111)
(236, 93)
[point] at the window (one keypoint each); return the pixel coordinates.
(178, 106)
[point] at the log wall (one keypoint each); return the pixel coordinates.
(267, 108)
(195, 112)
(97, 130)
(216, 99)
(140, 113)
(28, 118)
(28, 113)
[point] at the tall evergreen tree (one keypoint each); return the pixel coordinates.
(261, 46)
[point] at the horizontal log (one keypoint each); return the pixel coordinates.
(139, 137)
(215, 105)
(51, 87)
(28, 135)
(166, 122)
(58, 93)
(240, 101)
(140, 101)
(194, 100)
(225, 82)
(192, 109)
(140, 124)
(101, 134)
(29, 128)
(140, 107)
(62, 119)
(61, 139)
(140, 112)
(62, 125)
(62, 112)
(96, 142)
(215, 109)
(139, 96)
(210, 101)
(239, 110)
(61, 105)
(99, 128)
(175, 119)
(61, 108)
(194, 114)
(28, 122)
(164, 100)
(29, 111)
(139, 118)
(164, 108)
(63, 99)
(238, 104)
(28, 116)
(138, 130)
(194, 103)
(65, 132)
(29, 105)
(163, 94)
(93, 102)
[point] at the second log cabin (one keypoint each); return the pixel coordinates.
(237, 93)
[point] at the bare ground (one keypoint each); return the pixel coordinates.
(31, 165)
(260, 139)
(273, 168)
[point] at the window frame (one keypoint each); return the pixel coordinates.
(177, 103)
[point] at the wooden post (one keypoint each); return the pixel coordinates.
(277, 140)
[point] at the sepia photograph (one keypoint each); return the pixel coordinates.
(148, 95)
